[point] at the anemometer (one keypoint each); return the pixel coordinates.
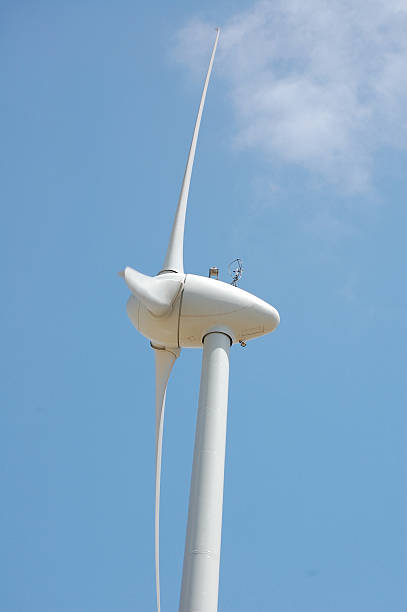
(235, 270)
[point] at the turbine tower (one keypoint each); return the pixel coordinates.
(175, 310)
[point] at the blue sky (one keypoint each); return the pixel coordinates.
(300, 171)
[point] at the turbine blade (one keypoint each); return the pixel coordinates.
(157, 293)
(174, 259)
(164, 360)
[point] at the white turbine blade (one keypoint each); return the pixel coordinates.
(157, 293)
(164, 360)
(174, 259)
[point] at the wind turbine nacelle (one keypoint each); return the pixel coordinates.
(196, 306)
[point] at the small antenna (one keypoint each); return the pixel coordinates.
(236, 271)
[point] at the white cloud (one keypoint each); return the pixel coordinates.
(319, 84)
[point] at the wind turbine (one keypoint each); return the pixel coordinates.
(175, 310)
